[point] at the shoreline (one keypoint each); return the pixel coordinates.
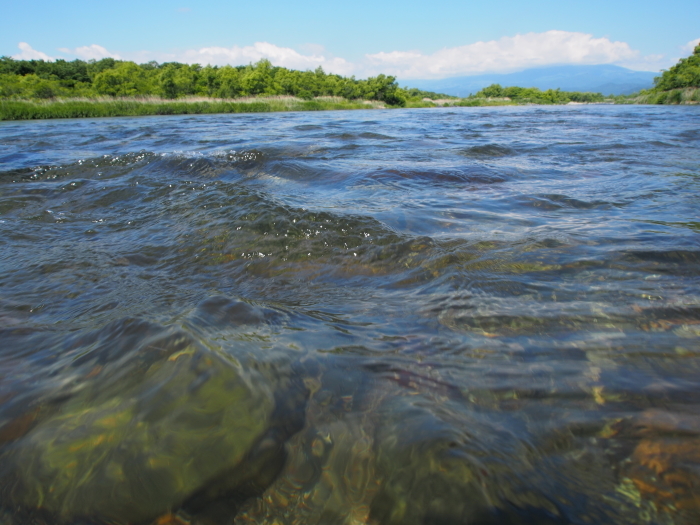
(27, 109)
(152, 106)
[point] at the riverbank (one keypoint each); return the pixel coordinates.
(143, 106)
(147, 106)
(683, 96)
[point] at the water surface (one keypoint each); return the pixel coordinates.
(456, 315)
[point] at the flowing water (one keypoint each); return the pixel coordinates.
(445, 316)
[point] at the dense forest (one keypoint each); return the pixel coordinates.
(37, 79)
(109, 87)
(522, 95)
(685, 74)
(677, 85)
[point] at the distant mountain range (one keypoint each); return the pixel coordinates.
(606, 79)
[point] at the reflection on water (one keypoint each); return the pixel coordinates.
(463, 316)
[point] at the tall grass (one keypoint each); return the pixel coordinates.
(142, 106)
(673, 96)
(484, 101)
(11, 109)
(419, 104)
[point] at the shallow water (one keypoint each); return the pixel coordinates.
(463, 315)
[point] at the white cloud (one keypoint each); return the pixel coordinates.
(653, 63)
(510, 53)
(690, 46)
(90, 52)
(506, 54)
(315, 49)
(28, 53)
(279, 56)
(241, 55)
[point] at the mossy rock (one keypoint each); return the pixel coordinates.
(140, 436)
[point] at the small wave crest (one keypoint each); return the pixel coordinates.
(488, 151)
(109, 166)
(447, 176)
(105, 165)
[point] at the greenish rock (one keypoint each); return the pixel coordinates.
(142, 434)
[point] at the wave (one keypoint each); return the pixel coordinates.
(441, 177)
(488, 151)
(112, 166)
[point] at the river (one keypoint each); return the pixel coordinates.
(421, 316)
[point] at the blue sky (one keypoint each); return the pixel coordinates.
(437, 39)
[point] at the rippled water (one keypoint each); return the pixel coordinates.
(472, 315)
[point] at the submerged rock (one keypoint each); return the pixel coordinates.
(440, 461)
(664, 466)
(142, 434)
(329, 475)
(394, 448)
(160, 429)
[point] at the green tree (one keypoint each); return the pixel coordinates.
(166, 83)
(257, 79)
(177, 80)
(492, 91)
(228, 80)
(124, 80)
(94, 67)
(207, 82)
(383, 88)
(685, 74)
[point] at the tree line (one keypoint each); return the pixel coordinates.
(685, 74)
(171, 80)
(536, 96)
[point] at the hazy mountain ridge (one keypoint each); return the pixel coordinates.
(606, 79)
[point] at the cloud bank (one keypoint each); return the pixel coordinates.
(93, 52)
(279, 56)
(510, 53)
(690, 46)
(506, 54)
(28, 53)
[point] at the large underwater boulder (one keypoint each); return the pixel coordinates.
(141, 432)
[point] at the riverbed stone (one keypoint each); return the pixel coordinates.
(136, 440)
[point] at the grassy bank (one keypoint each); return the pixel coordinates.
(484, 101)
(133, 107)
(673, 96)
(143, 106)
